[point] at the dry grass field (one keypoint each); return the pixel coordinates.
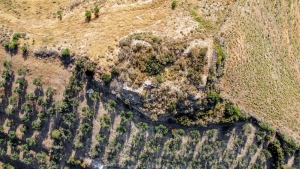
(263, 75)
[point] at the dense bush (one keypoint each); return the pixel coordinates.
(174, 4)
(121, 129)
(277, 152)
(213, 98)
(65, 52)
(160, 131)
(105, 121)
(126, 116)
(106, 78)
(153, 66)
(36, 125)
(85, 128)
(87, 112)
(88, 15)
(37, 81)
(55, 134)
(142, 126)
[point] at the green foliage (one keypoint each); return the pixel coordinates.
(178, 133)
(126, 116)
(27, 107)
(36, 124)
(94, 96)
(41, 101)
(59, 14)
(24, 48)
(30, 97)
(142, 126)
(28, 160)
(277, 152)
(23, 128)
(174, 4)
(195, 135)
(121, 129)
(25, 148)
(12, 100)
(31, 141)
(115, 71)
(7, 166)
(5, 74)
(7, 65)
(221, 55)
(87, 112)
(14, 156)
(106, 78)
(20, 81)
(85, 128)
(232, 114)
(153, 66)
(213, 98)
(110, 105)
(100, 137)
(88, 15)
(49, 91)
(21, 72)
(160, 131)
(12, 135)
(17, 90)
(266, 126)
(55, 134)
(65, 52)
(96, 11)
(37, 81)
(171, 107)
(41, 157)
(9, 111)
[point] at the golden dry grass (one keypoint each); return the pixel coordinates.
(262, 74)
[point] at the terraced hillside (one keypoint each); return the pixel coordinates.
(149, 84)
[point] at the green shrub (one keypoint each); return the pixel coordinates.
(30, 96)
(14, 156)
(277, 152)
(65, 52)
(96, 11)
(49, 91)
(31, 141)
(12, 135)
(41, 101)
(100, 137)
(20, 81)
(28, 160)
(87, 112)
(115, 71)
(160, 131)
(26, 107)
(55, 134)
(7, 65)
(59, 14)
(174, 4)
(88, 15)
(23, 128)
(21, 72)
(213, 98)
(37, 81)
(142, 126)
(85, 128)
(41, 157)
(194, 135)
(94, 96)
(153, 66)
(171, 107)
(105, 121)
(5, 74)
(126, 116)
(121, 129)
(24, 48)
(9, 111)
(13, 100)
(36, 125)
(25, 148)
(106, 78)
